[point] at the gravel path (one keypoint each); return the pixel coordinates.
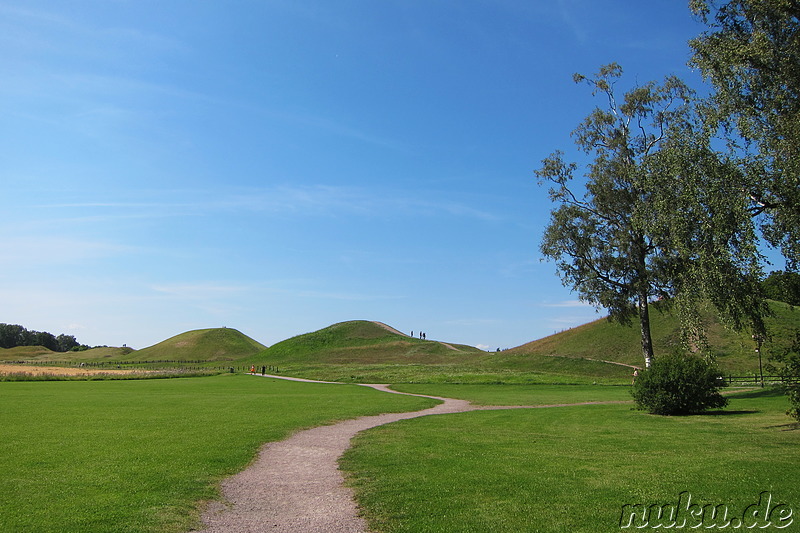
(295, 484)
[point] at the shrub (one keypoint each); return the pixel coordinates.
(789, 369)
(793, 392)
(679, 384)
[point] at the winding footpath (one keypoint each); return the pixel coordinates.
(295, 484)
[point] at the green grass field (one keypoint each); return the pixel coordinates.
(141, 456)
(522, 394)
(137, 456)
(568, 469)
(529, 370)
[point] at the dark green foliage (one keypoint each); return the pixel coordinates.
(751, 55)
(13, 335)
(678, 385)
(789, 368)
(793, 392)
(783, 287)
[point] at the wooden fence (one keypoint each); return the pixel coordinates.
(756, 379)
(164, 364)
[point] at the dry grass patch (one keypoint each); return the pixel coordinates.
(61, 370)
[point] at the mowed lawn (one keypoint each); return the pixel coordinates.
(512, 394)
(572, 469)
(137, 456)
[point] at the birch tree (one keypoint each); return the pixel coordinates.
(650, 222)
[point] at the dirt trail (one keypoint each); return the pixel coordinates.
(295, 484)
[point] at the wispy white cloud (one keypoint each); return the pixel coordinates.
(567, 12)
(344, 296)
(21, 251)
(309, 200)
(526, 268)
(52, 30)
(200, 291)
(468, 322)
(567, 303)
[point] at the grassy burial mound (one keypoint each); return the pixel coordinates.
(216, 344)
(367, 352)
(363, 342)
(25, 353)
(603, 340)
(371, 352)
(40, 354)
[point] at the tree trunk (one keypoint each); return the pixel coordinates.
(644, 321)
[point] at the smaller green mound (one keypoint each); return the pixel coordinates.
(217, 344)
(43, 355)
(24, 353)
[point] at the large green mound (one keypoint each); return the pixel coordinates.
(216, 344)
(362, 342)
(610, 341)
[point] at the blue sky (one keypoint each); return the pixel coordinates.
(279, 166)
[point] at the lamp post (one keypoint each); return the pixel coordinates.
(759, 338)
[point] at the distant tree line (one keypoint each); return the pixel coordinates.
(13, 335)
(783, 287)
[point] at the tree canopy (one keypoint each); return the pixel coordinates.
(783, 287)
(13, 335)
(751, 56)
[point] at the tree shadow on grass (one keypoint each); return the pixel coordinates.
(791, 426)
(727, 413)
(768, 392)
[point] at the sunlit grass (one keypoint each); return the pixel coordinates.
(569, 469)
(136, 456)
(547, 394)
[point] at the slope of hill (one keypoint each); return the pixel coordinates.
(40, 353)
(609, 341)
(24, 353)
(362, 342)
(371, 352)
(216, 344)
